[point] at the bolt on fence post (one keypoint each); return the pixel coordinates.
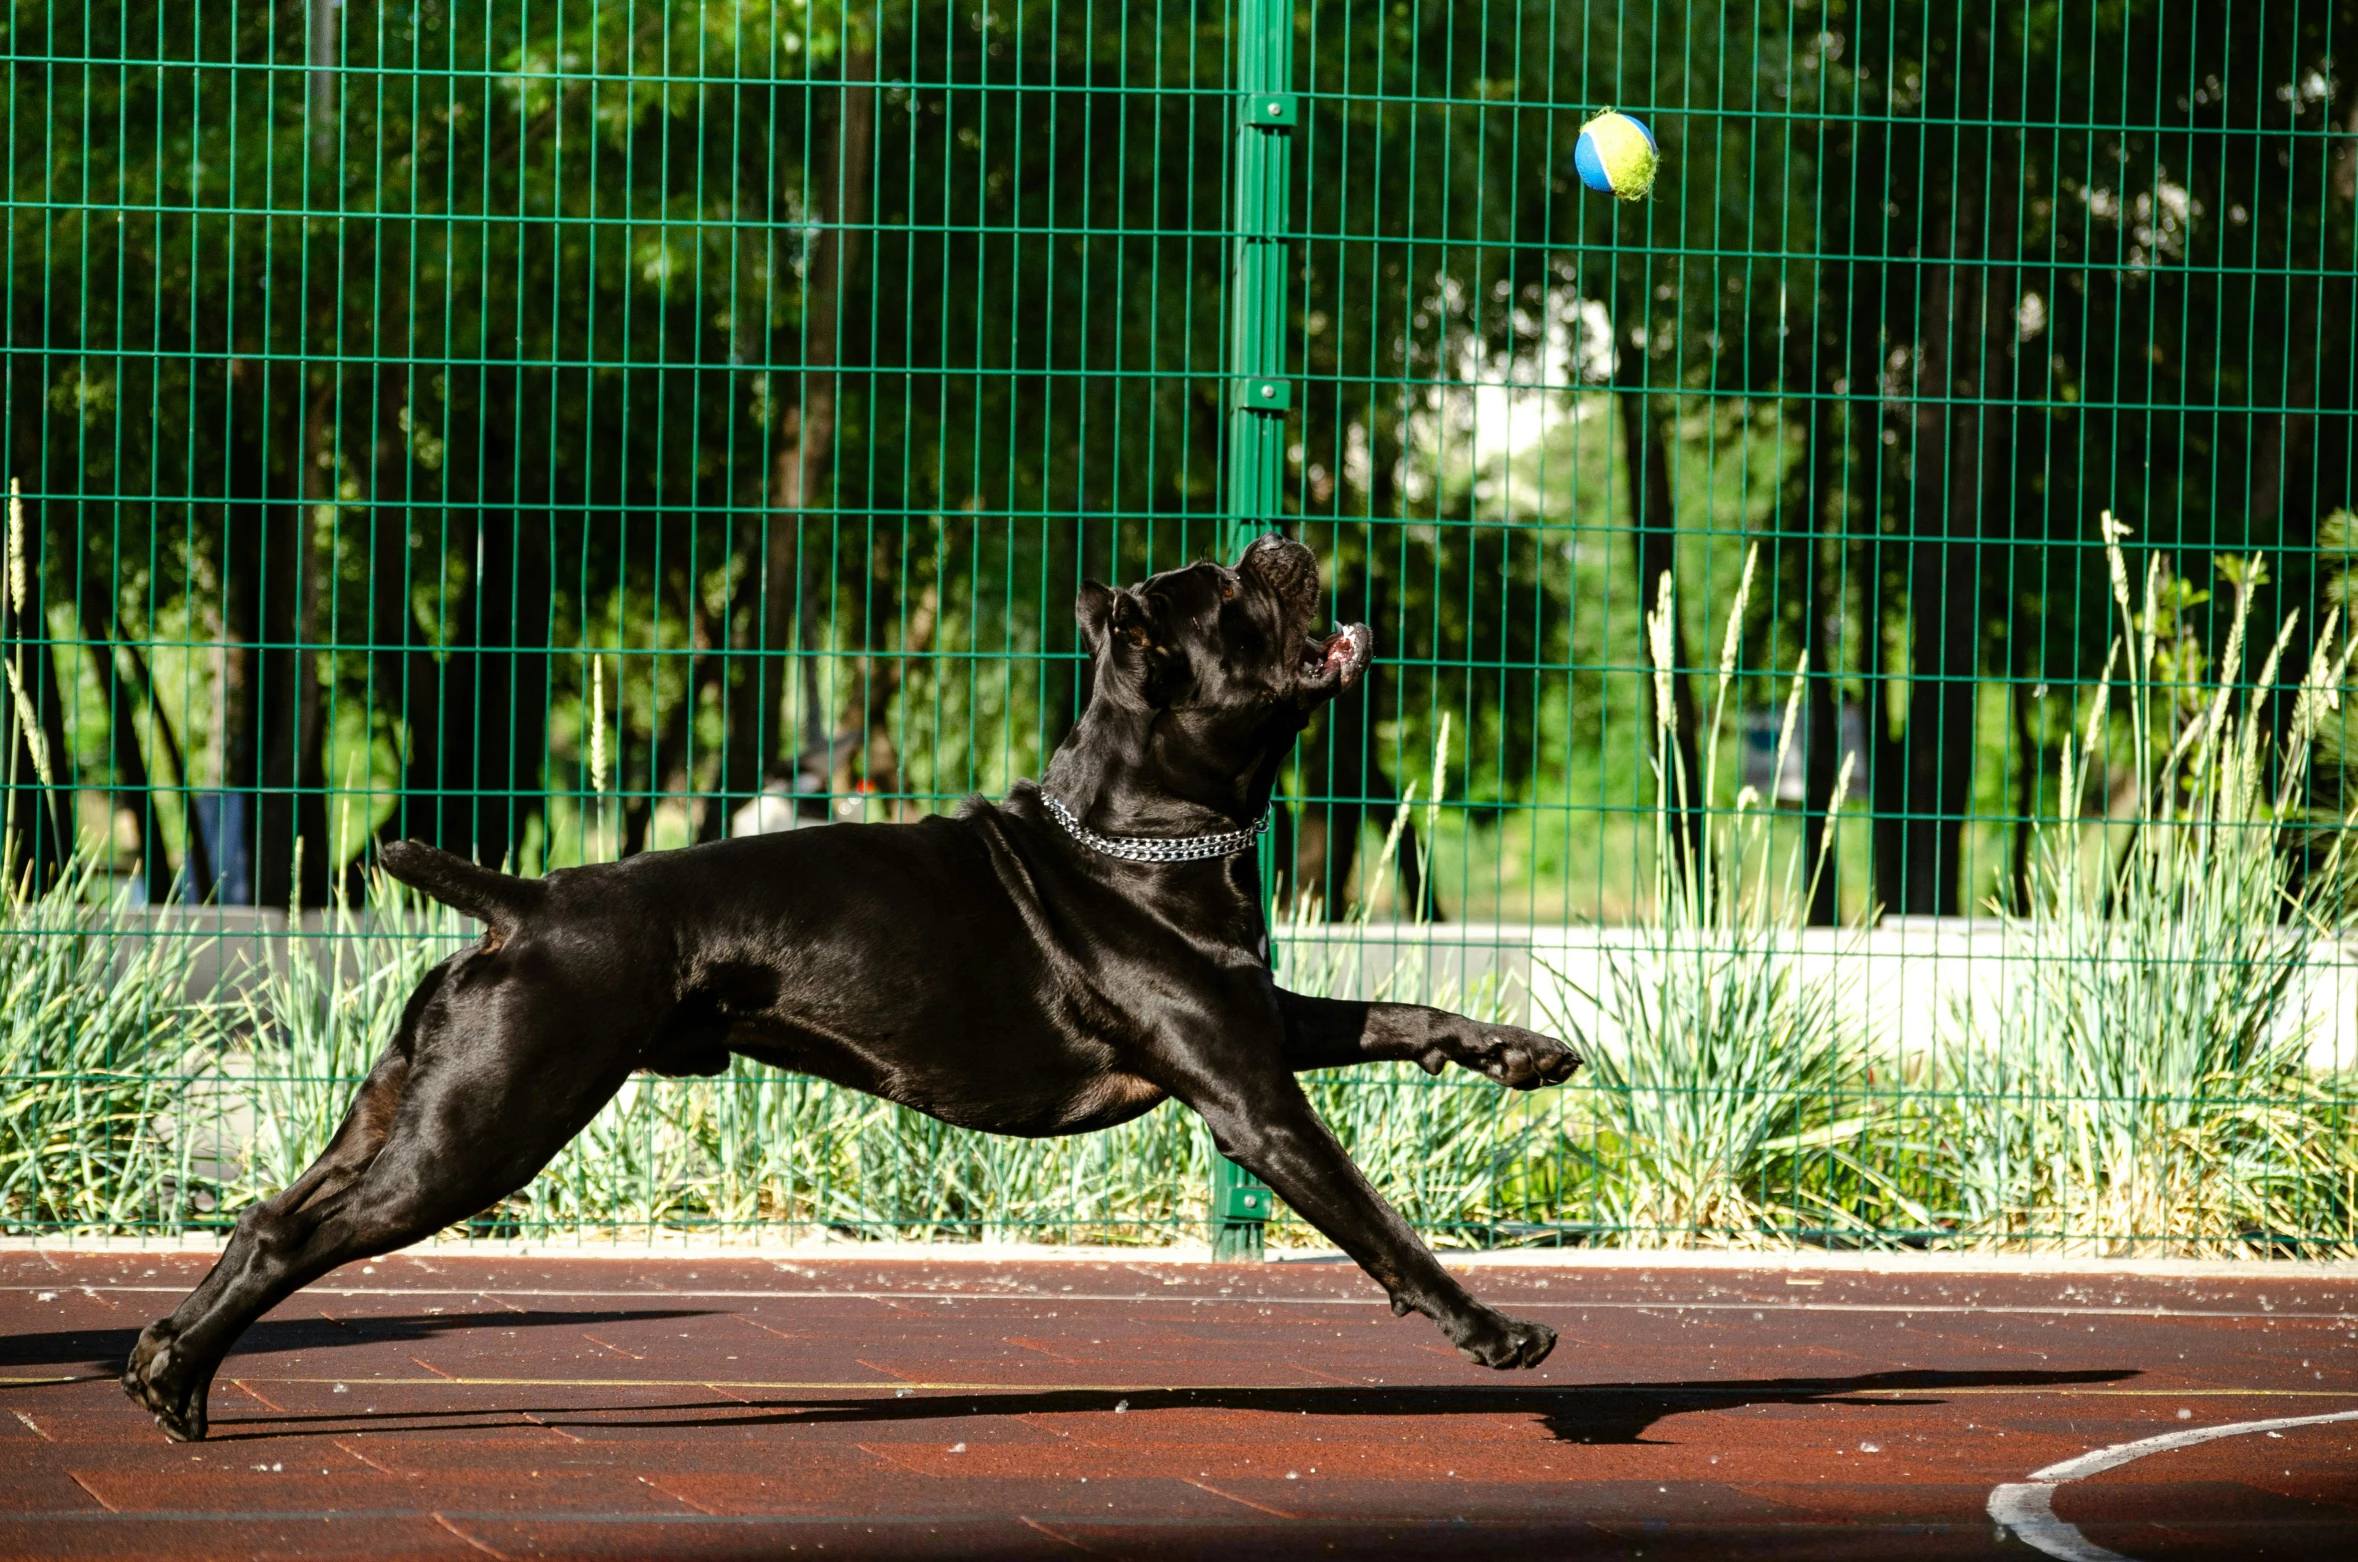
(1261, 54)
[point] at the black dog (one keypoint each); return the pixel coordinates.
(1052, 964)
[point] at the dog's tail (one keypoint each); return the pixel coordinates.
(483, 893)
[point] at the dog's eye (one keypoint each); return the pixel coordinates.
(1228, 591)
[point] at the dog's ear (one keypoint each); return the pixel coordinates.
(1128, 618)
(1103, 613)
(1093, 612)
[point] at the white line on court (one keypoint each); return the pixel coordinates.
(1966, 1309)
(2028, 1507)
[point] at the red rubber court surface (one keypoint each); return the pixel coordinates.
(467, 1407)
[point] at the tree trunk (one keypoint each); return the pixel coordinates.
(1821, 759)
(2282, 480)
(290, 806)
(1645, 443)
(39, 805)
(1846, 369)
(477, 714)
(2026, 789)
(244, 524)
(130, 788)
(1337, 771)
(793, 559)
(833, 273)
(1966, 331)
(196, 863)
(1321, 848)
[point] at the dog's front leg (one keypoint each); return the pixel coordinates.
(1261, 1120)
(1333, 1033)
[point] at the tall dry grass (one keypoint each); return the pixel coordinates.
(99, 1042)
(1726, 1085)
(2143, 1085)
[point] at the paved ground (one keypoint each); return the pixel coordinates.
(465, 1407)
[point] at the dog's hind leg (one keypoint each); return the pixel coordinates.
(474, 1096)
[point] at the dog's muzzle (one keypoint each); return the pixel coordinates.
(1330, 662)
(1335, 661)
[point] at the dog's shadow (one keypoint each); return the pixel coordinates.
(103, 1350)
(1572, 1413)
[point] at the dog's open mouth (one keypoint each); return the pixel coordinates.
(1338, 658)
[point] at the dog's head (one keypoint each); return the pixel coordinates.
(1233, 654)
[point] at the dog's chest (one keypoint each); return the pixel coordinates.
(1113, 1097)
(1035, 1108)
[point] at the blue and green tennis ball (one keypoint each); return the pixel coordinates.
(1616, 156)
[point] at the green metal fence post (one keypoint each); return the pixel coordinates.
(1259, 394)
(1262, 71)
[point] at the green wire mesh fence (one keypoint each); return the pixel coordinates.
(1858, 628)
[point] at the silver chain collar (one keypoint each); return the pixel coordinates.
(1150, 848)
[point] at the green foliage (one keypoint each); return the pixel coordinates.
(1726, 1086)
(784, 1156)
(2143, 1083)
(98, 1043)
(303, 359)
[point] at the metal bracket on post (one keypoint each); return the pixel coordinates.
(1262, 56)
(1241, 1204)
(1264, 395)
(1271, 110)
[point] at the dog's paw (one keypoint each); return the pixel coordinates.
(1492, 1339)
(1518, 1059)
(152, 1380)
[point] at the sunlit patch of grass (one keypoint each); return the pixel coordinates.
(2143, 1085)
(98, 1043)
(790, 1156)
(1725, 1096)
